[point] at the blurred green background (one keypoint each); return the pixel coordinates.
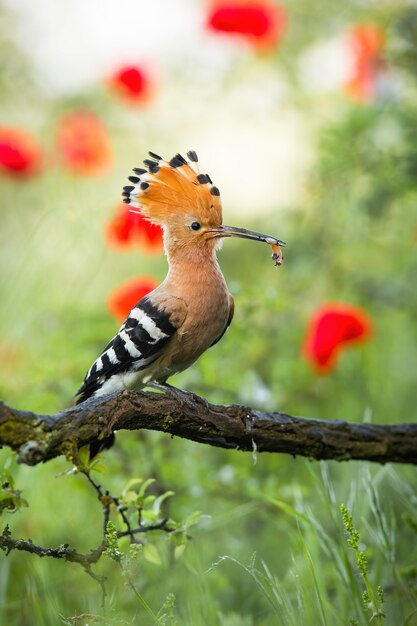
(312, 138)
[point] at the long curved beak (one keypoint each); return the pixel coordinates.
(234, 231)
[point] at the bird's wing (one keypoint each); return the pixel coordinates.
(229, 320)
(139, 342)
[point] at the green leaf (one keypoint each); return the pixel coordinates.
(148, 500)
(179, 551)
(84, 456)
(145, 486)
(149, 516)
(151, 554)
(132, 484)
(193, 519)
(158, 502)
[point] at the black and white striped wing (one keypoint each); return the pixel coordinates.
(138, 343)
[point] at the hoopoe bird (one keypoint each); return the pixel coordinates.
(189, 312)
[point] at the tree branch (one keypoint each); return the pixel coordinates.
(38, 438)
(64, 551)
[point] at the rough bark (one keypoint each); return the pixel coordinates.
(38, 438)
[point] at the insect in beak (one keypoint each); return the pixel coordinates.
(234, 231)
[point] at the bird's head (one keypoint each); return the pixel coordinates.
(177, 196)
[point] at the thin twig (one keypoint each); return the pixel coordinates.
(106, 499)
(162, 525)
(64, 551)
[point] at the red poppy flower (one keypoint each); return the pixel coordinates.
(83, 143)
(128, 229)
(132, 83)
(260, 22)
(20, 154)
(366, 43)
(122, 300)
(331, 328)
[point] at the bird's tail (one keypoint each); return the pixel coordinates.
(97, 445)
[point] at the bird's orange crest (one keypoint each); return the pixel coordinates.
(165, 189)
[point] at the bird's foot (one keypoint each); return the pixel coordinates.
(174, 392)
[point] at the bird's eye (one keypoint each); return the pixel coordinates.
(196, 225)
